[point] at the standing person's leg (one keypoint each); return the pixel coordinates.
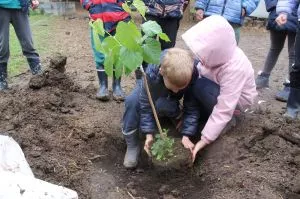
(102, 93)
(4, 46)
(20, 22)
(130, 128)
(237, 32)
(293, 104)
(169, 26)
(284, 93)
(277, 43)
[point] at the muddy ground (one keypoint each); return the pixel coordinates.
(71, 139)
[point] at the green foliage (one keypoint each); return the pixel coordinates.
(162, 148)
(126, 50)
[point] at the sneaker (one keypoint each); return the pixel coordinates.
(283, 95)
(262, 80)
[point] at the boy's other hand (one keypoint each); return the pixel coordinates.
(148, 144)
(281, 19)
(34, 4)
(199, 14)
(200, 145)
(186, 142)
(243, 12)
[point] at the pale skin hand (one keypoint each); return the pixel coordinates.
(199, 14)
(186, 142)
(281, 19)
(199, 146)
(148, 144)
(34, 4)
(243, 12)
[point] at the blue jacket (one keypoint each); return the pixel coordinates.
(15, 4)
(229, 9)
(291, 24)
(167, 100)
(165, 8)
(287, 6)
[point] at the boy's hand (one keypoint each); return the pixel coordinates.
(200, 145)
(199, 14)
(243, 12)
(186, 142)
(34, 4)
(148, 144)
(281, 19)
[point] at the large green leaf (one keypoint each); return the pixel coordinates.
(151, 28)
(129, 35)
(98, 26)
(151, 51)
(130, 59)
(109, 64)
(111, 52)
(118, 68)
(140, 6)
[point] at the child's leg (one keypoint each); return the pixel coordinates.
(102, 93)
(237, 31)
(283, 94)
(293, 104)
(4, 46)
(206, 93)
(131, 121)
(21, 25)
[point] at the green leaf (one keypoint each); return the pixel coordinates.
(151, 28)
(151, 51)
(164, 36)
(98, 27)
(130, 59)
(140, 6)
(126, 8)
(118, 68)
(129, 36)
(111, 50)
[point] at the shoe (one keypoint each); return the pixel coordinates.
(3, 77)
(262, 80)
(133, 149)
(102, 94)
(283, 95)
(118, 93)
(293, 104)
(35, 66)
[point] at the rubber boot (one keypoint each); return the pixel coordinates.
(118, 93)
(3, 76)
(103, 93)
(293, 104)
(283, 95)
(35, 66)
(262, 80)
(133, 149)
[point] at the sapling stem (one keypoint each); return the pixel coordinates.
(151, 103)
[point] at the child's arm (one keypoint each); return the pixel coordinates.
(285, 6)
(86, 4)
(249, 6)
(191, 116)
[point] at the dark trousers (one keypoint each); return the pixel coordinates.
(277, 43)
(295, 72)
(20, 22)
(169, 26)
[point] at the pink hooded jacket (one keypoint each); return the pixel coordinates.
(222, 61)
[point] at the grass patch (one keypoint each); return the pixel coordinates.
(40, 26)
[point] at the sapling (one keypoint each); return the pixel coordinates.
(125, 52)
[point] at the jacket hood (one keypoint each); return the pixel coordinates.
(212, 41)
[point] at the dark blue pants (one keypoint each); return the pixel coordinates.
(295, 72)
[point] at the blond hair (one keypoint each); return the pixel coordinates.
(177, 66)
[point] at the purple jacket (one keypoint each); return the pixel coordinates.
(287, 6)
